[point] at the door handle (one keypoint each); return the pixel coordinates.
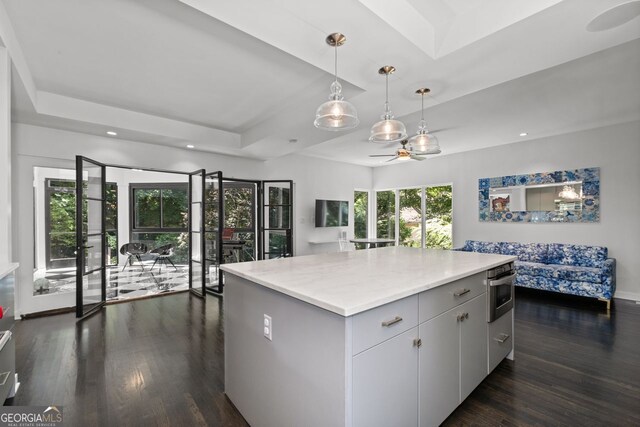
(393, 321)
(461, 292)
(502, 281)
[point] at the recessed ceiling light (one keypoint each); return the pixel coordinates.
(112, 133)
(524, 134)
(191, 146)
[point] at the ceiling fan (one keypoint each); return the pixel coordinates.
(402, 153)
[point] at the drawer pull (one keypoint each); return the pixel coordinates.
(395, 320)
(6, 377)
(461, 292)
(502, 338)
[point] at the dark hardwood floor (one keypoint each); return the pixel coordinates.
(160, 362)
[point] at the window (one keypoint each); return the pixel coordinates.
(386, 214)
(411, 217)
(438, 217)
(360, 213)
(159, 216)
(424, 216)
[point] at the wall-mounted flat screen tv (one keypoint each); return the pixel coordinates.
(332, 213)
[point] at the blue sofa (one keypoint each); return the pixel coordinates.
(570, 269)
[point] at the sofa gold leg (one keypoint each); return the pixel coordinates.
(608, 301)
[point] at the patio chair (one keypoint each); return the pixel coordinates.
(163, 254)
(133, 250)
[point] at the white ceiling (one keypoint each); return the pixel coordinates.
(245, 77)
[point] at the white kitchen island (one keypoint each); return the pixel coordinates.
(380, 337)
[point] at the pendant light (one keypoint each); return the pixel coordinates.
(336, 114)
(388, 129)
(424, 142)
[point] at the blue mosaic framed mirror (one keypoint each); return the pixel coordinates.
(560, 196)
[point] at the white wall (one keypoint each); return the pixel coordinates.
(38, 146)
(5, 157)
(313, 179)
(615, 149)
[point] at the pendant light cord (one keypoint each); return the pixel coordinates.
(422, 110)
(386, 102)
(336, 62)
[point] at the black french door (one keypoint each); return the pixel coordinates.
(213, 232)
(277, 219)
(91, 239)
(196, 231)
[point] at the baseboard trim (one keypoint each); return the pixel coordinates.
(631, 296)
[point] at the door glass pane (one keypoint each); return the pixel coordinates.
(195, 242)
(196, 216)
(279, 217)
(438, 217)
(360, 214)
(91, 289)
(93, 177)
(93, 218)
(196, 275)
(411, 217)
(278, 193)
(385, 214)
(239, 206)
(93, 253)
(276, 244)
(196, 189)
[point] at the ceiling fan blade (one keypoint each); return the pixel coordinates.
(416, 157)
(391, 160)
(381, 155)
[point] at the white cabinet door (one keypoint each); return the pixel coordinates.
(439, 368)
(473, 345)
(385, 383)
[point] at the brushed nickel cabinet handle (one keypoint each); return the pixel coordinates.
(6, 377)
(502, 338)
(417, 342)
(395, 320)
(461, 292)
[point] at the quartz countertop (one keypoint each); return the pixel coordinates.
(5, 269)
(348, 283)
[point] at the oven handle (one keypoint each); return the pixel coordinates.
(503, 281)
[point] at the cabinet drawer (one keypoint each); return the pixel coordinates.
(438, 300)
(7, 368)
(381, 323)
(500, 339)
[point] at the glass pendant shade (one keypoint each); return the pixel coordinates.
(388, 129)
(336, 114)
(424, 142)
